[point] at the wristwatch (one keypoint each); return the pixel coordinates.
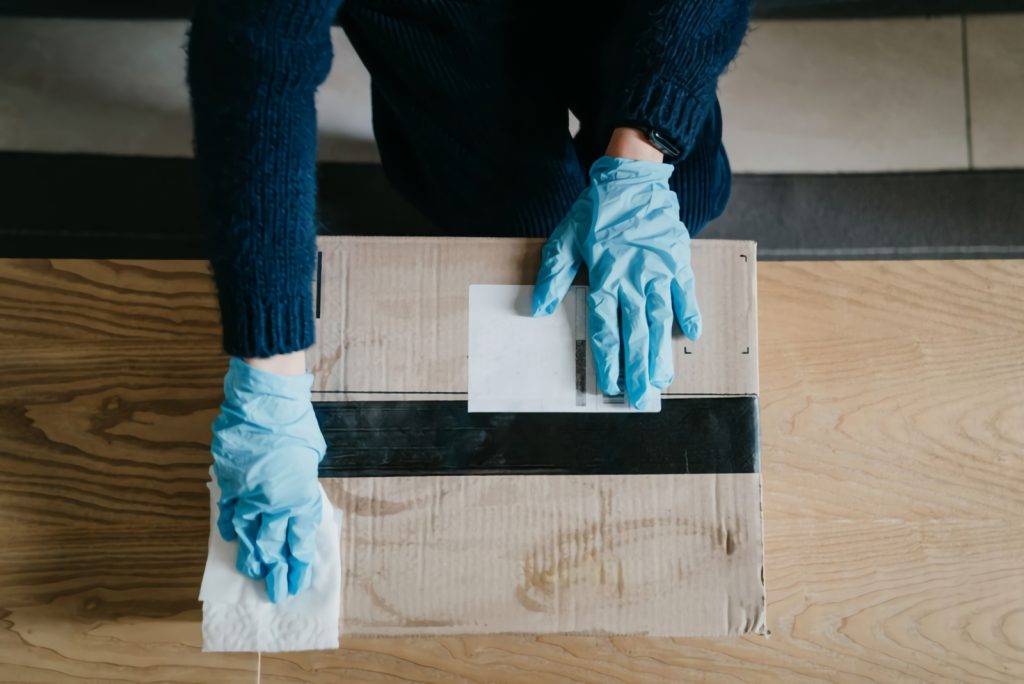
(659, 141)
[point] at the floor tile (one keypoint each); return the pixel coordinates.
(857, 95)
(118, 87)
(995, 58)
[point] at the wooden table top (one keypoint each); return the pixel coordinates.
(893, 461)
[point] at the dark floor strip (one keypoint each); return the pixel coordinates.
(95, 206)
(862, 9)
(938, 215)
(761, 9)
(377, 438)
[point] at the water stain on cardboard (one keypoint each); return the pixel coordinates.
(405, 621)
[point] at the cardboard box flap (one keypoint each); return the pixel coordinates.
(666, 555)
(393, 314)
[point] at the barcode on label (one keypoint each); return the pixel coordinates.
(580, 330)
(581, 372)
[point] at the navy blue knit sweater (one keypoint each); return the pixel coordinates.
(470, 103)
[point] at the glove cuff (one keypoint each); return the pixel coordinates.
(606, 169)
(242, 379)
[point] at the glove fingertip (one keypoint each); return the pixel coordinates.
(608, 382)
(639, 394)
(299, 576)
(543, 303)
(226, 522)
(277, 582)
(226, 529)
(247, 563)
(559, 265)
(642, 402)
(662, 383)
(550, 289)
(692, 328)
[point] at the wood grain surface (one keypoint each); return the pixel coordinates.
(893, 434)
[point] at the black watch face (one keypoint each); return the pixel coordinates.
(665, 147)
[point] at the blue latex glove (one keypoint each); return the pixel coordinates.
(266, 448)
(626, 227)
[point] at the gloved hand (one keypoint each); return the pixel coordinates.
(266, 448)
(626, 227)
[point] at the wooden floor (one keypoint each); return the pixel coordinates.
(893, 436)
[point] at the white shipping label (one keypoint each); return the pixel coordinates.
(522, 364)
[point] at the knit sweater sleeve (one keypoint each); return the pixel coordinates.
(253, 69)
(674, 51)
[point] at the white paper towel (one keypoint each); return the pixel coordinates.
(238, 616)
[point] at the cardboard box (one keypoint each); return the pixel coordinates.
(501, 547)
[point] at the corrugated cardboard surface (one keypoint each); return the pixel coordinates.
(676, 555)
(672, 555)
(394, 315)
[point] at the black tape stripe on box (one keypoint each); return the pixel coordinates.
(381, 438)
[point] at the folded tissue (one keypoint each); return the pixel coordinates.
(238, 616)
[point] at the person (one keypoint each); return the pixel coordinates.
(470, 113)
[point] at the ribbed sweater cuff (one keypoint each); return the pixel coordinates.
(675, 112)
(258, 326)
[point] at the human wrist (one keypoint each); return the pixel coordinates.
(292, 363)
(631, 143)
